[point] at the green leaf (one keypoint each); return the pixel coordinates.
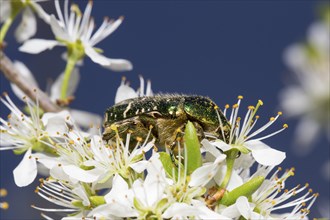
(247, 189)
(194, 156)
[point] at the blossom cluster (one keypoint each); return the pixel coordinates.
(125, 178)
(232, 176)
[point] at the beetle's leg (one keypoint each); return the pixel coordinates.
(111, 131)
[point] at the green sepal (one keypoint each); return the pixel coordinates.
(169, 166)
(247, 189)
(86, 167)
(77, 203)
(161, 204)
(194, 156)
(242, 149)
(97, 200)
(137, 204)
(20, 151)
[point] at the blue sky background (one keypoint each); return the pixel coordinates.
(219, 49)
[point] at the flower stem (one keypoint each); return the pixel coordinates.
(231, 156)
(67, 74)
(5, 27)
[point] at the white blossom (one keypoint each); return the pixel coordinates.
(271, 197)
(75, 31)
(28, 24)
(124, 91)
(88, 121)
(23, 133)
(242, 136)
(309, 96)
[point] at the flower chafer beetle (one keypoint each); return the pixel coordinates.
(166, 116)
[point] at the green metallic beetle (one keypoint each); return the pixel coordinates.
(166, 116)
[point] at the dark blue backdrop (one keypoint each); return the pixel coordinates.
(216, 48)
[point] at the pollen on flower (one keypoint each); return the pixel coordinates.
(251, 107)
(227, 106)
(240, 97)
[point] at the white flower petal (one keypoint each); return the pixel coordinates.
(28, 26)
(305, 134)
(113, 64)
(209, 147)
(124, 92)
(202, 175)
(87, 176)
(180, 210)
(55, 90)
(5, 10)
(86, 119)
(264, 154)
(140, 166)
(45, 160)
(294, 101)
(57, 173)
(243, 207)
(40, 11)
(26, 171)
(80, 191)
(55, 123)
(106, 211)
(231, 211)
(57, 28)
(35, 46)
(119, 188)
(222, 145)
(27, 76)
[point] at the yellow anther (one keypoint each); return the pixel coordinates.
(75, 8)
(279, 113)
(303, 204)
(216, 107)
(151, 127)
(260, 102)
(310, 190)
(285, 126)
(240, 97)
(71, 142)
(4, 205)
(3, 192)
(272, 119)
(138, 139)
(279, 168)
(227, 106)
(257, 116)
(316, 194)
(235, 106)
(251, 107)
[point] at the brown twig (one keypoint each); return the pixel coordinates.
(11, 73)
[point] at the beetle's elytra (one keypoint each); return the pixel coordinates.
(166, 115)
